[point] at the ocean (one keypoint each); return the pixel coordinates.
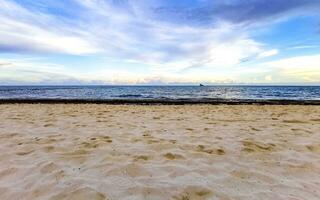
(161, 92)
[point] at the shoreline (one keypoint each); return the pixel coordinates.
(163, 101)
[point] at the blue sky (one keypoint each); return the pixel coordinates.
(159, 42)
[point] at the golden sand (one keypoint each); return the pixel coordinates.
(133, 152)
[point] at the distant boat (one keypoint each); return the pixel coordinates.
(201, 85)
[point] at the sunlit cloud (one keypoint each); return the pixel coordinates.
(303, 68)
(269, 53)
(175, 40)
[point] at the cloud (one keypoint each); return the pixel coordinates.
(27, 71)
(123, 30)
(268, 78)
(299, 68)
(5, 63)
(304, 47)
(35, 71)
(173, 38)
(24, 30)
(269, 53)
(235, 11)
(120, 77)
(256, 10)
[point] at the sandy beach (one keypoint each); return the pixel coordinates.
(158, 152)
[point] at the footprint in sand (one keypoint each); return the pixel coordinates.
(48, 125)
(141, 158)
(294, 121)
(132, 170)
(48, 149)
(23, 153)
(80, 194)
(95, 142)
(48, 168)
(10, 135)
(153, 141)
(8, 172)
(247, 175)
(255, 129)
(146, 135)
(194, 193)
(171, 156)
(314, 148)
(254, 146)
(218, 151)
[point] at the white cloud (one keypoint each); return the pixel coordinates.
(120, 76)
(132, 34)
(124, 33)
(28, 71)
(39, 72)
(24, 30)
(305, 47)
(268, 53)
(301, 68)
(268, 78)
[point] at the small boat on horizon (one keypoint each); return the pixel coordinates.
(201, 85)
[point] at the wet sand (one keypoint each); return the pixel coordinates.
(178, 152)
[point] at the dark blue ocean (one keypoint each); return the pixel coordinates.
(161, 92)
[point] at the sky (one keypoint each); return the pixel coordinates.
(120, 42)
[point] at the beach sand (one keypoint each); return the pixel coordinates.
(187, 152)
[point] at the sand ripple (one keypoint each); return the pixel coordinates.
(128, 152)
